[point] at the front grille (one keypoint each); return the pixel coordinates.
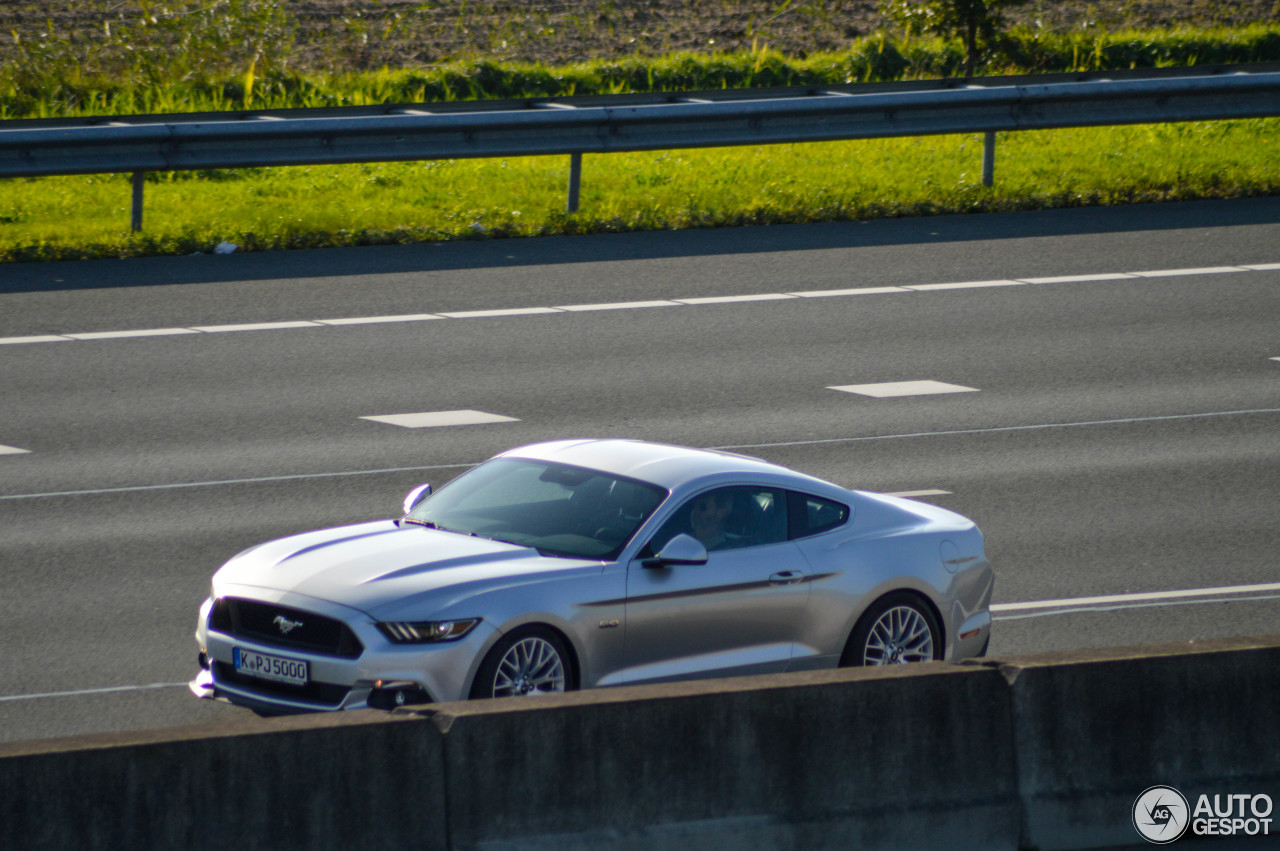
(260, 622)
(320, 693)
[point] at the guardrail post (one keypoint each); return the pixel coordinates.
(575, 181)
(139, 178)
(989, 158)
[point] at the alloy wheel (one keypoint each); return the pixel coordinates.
(530, 666)
(900, 635)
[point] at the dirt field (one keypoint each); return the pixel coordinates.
(352, 34)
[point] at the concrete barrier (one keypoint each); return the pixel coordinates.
(1094, 729)
(329, 782)
(1034, 752)
(915, 757)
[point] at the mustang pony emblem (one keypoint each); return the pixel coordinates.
(286, 626)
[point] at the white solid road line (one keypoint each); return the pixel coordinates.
(87, 692)
(735, 299)
(510, 311)
(853, 291)
(248, 481)
(615, 305)
(255, 326)
(914, 494)
(378, 320)
(1076, 279)
(633, 305)
(1208, 270)
(965, 285)
(1148, 596)
(45, 338)
(1114, 602)
(149, 332)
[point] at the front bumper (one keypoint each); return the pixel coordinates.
(383, 675)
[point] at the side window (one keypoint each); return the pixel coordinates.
(813, 514)
(729, 518)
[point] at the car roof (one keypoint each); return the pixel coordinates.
(659, 463)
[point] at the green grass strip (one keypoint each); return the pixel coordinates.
(375, 204)
(383, 203)
(54, 79)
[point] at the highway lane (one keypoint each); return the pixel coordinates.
(1075, 453)
(49, 298)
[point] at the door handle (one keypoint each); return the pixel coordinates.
(786, 577)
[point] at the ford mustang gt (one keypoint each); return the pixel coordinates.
(587, 563)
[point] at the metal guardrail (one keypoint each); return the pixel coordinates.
(606, 124)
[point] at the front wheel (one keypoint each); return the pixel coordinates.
(898, 628)
(528, 661)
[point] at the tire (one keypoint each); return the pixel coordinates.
(898, 628)
(531, 660)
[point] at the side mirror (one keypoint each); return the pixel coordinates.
(416, 496)
(682, 549)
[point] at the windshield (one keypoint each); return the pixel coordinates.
(555, 508)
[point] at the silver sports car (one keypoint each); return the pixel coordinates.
(585, 563)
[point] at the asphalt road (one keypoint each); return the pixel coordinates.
(1119, 437)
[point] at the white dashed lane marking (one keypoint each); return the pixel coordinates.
(738, 447)
(639, 305)
(903, 388)
(12, 450)
(436, 419)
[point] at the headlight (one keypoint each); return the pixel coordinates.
(427, 632)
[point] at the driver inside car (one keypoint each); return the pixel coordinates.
(707, 517)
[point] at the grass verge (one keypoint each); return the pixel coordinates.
(384, 203)
(57, 79)
(185, 63)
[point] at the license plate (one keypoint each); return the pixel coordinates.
(265, 667)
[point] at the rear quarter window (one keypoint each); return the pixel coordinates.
(813, 514)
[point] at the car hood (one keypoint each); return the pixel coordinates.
(384, 569)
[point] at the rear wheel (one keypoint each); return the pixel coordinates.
(528, 661)
(898, 628)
